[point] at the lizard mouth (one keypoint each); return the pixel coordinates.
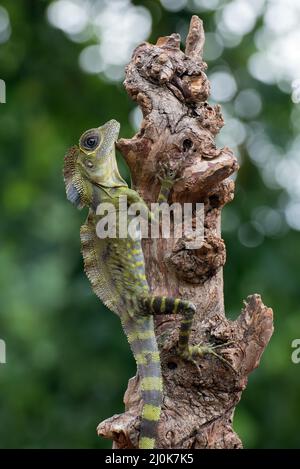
(113, 128)
(111, 131)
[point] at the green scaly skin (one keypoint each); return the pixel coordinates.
(116, 268)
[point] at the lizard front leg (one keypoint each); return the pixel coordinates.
(168, 177)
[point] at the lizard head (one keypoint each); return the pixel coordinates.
(92, 163)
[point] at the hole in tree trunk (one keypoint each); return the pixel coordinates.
(172, 365)
(187, 144)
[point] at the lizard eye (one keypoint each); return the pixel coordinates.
(90, 142)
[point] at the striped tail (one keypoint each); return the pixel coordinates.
(141, 337)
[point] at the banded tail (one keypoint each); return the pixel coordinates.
(141, 337)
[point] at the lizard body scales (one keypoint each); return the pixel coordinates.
(116, 269)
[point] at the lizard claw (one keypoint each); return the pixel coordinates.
(195, 351)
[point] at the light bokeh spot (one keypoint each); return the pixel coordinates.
(90, 59)
(213, 46)
(116, 27)
(5, 28)
(136, 117)
(223, 86)
(70, 16)
(239, 17)
(173, 5)
(292, 214)
(249, 235)
(248, 104)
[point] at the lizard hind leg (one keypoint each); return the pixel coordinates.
(168, 305)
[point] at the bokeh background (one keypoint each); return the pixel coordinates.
(63, 61)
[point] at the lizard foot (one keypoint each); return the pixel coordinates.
(167, 175)
(193, 352)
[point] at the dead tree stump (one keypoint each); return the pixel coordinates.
(179, 127)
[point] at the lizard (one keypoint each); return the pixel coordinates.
(115, 267)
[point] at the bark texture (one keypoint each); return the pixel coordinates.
(178, 128)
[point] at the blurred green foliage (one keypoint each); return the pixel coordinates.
(68, 361)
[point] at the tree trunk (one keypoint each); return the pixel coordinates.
(178, 128)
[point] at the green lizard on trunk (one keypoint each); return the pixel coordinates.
(116, 268)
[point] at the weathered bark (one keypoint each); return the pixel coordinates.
(179, 127)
